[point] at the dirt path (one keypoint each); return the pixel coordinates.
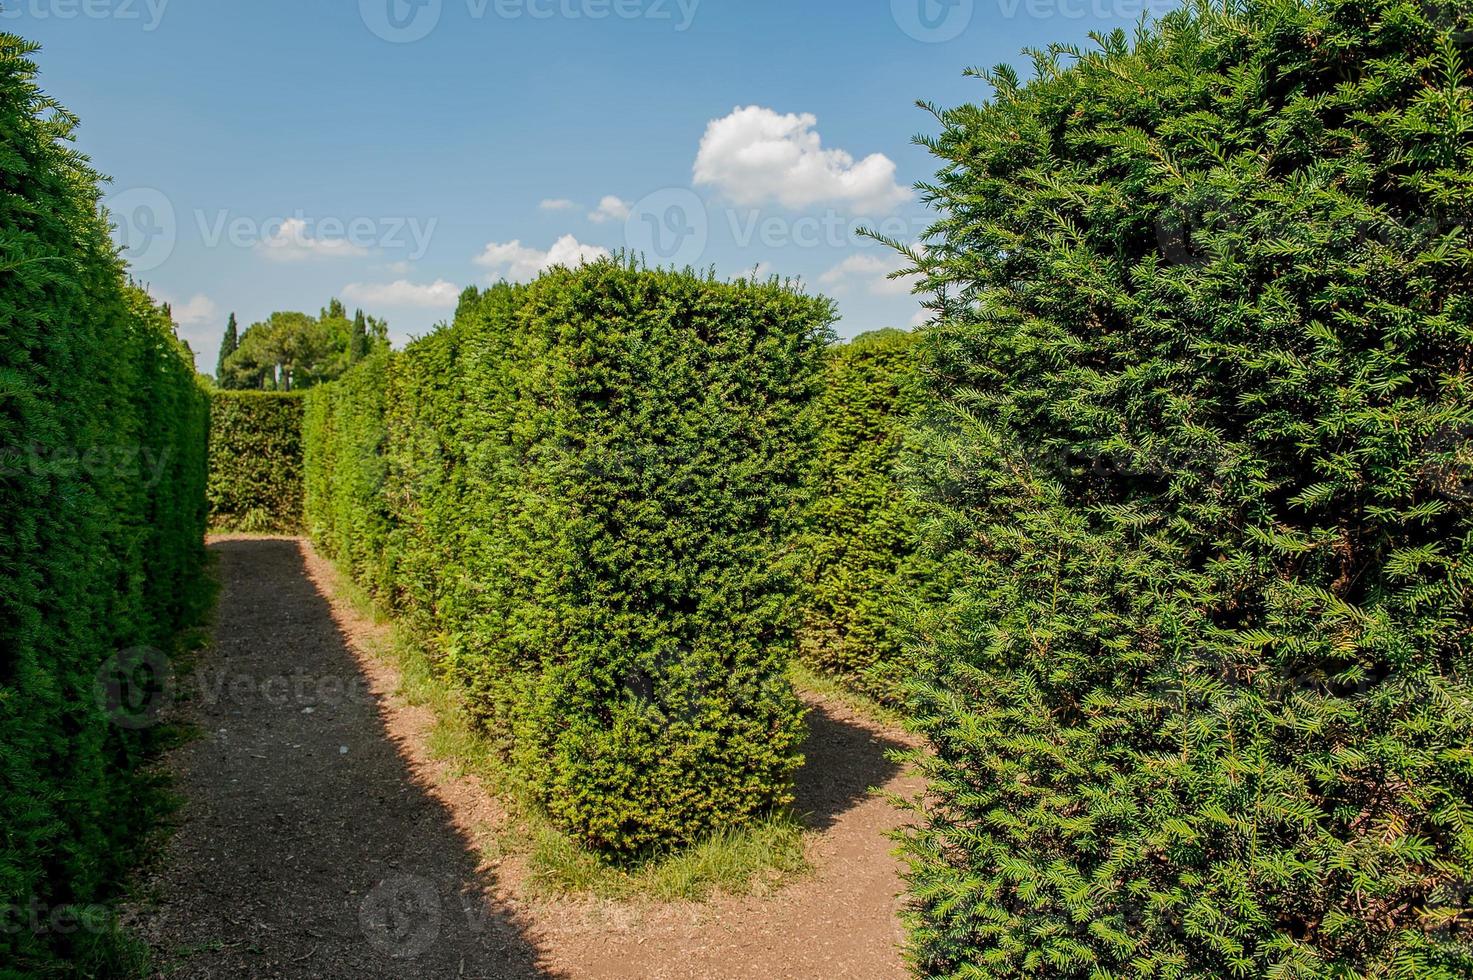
(320, 838)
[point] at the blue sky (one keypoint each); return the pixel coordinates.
(269, 155)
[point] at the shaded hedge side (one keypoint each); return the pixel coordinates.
(862, 569)
(102, 477)
(1201, 701)
(594, 487)
(256, 461)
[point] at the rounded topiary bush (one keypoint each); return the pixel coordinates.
(1200, 696)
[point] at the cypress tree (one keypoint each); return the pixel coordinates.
(358, 342)
(228, 345)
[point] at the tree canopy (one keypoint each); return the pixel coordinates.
(294, 351)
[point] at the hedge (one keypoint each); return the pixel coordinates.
(346, 470)
(861, 563)
(256, 461)
(102, 473)
(1200, 700)
(593, 486)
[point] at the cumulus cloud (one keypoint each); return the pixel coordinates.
(197, 311)
(610, 208)
(756, 155)
(294, 242)
(558, 204)
(870, 272)
(437, 295)
(519, 262)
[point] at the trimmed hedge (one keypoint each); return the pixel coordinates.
(1200, 702)
(102, 475)
(862, 566)
(593, 491)
(256, 461)
(346, 470)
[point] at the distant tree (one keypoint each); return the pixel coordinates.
(229, 345)
(294, 351)
(358, 343)
(287, 352)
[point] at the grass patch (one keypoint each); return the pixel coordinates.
(808, 680)
(752, 859)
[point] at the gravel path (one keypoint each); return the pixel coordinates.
(319, 838)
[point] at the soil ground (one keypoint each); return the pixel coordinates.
(320, 838)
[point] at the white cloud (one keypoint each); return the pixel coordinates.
(610, 208)
(439, 294)
(518, 262)
(755, 156)
(870, 271)
(921, 318)
(400, 268)
(197, 311)
(558, 204)
(292, 242)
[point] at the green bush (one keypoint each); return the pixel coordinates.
(345, 472)
(1200, 701)
(593, 486)
(860, 535)
(102, 476)
(256, 482)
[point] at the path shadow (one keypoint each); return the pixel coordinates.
(844, 762)
(306, 848)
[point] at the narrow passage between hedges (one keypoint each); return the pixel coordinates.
(319, 838)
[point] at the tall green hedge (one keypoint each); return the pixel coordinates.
(102, 474)
(256, 479)
(345, 472)
(1200, 700)
(593, 486)
(862, 566)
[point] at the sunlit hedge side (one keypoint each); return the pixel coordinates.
(102, 515)
(345, 471)
(1200, 698)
